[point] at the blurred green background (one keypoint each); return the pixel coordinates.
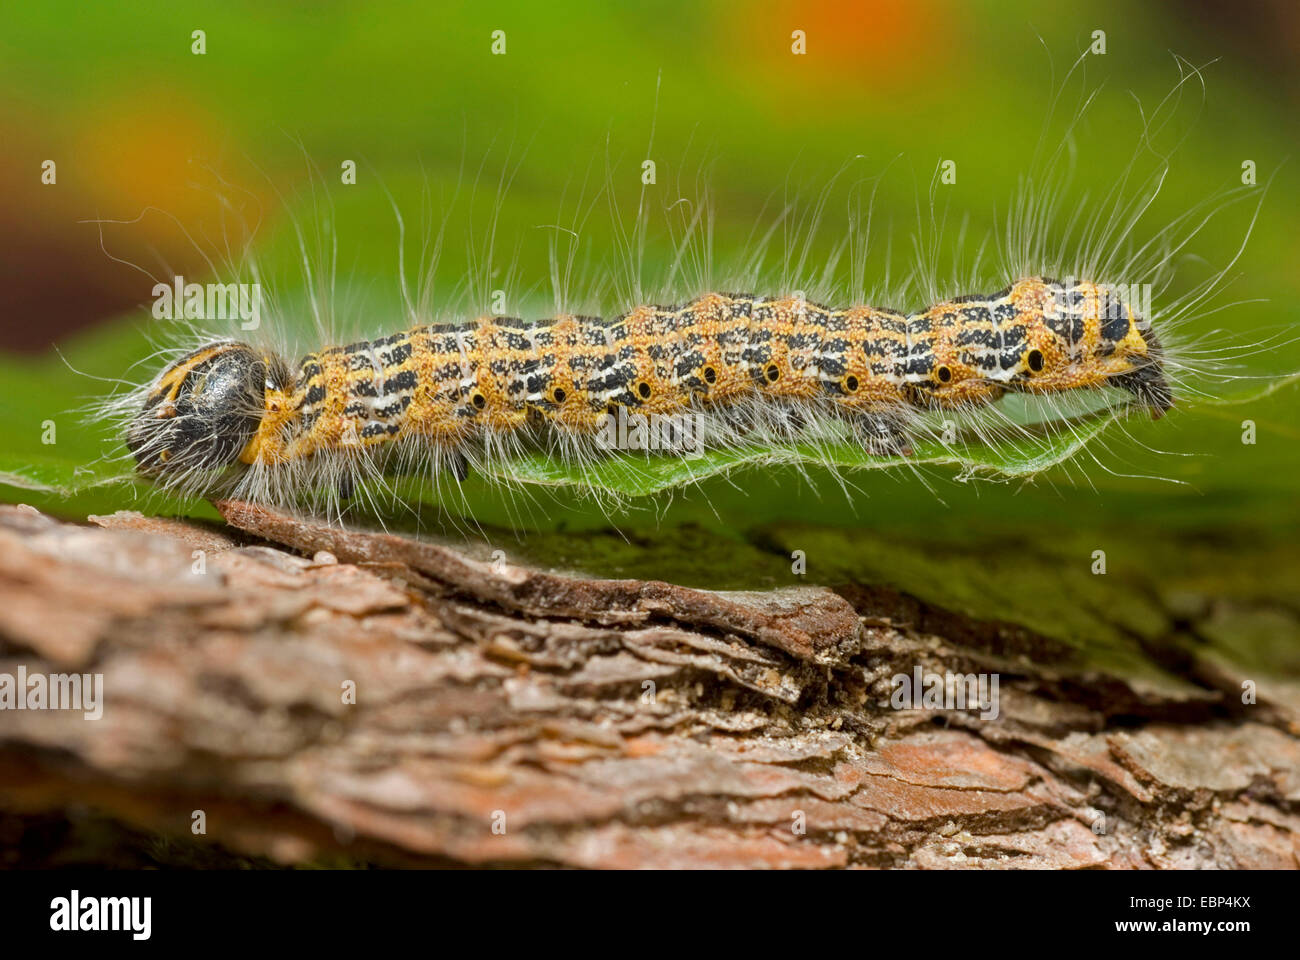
(190, 149)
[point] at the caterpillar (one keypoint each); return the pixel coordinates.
(745, 361)
(460, 392)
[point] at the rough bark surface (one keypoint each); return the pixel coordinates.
(511, 716)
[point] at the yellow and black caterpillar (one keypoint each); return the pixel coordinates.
(227, 413)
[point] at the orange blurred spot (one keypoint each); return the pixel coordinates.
(852, 46)
(862, 33)
(114, 160)
(137, 154)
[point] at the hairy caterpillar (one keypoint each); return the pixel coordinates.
(747, 361)
(450, 396)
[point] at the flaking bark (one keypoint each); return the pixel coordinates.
(512, 716)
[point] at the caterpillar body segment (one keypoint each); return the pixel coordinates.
(744, 362)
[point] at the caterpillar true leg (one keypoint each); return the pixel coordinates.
(347, 486)
(459, 466)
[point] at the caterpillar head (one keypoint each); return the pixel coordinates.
(1088, 335)
(201, 412)
(1040, 336)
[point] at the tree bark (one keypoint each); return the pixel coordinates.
(329, 696)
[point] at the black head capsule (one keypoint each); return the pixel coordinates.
(202, 412)
(1147, 381)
